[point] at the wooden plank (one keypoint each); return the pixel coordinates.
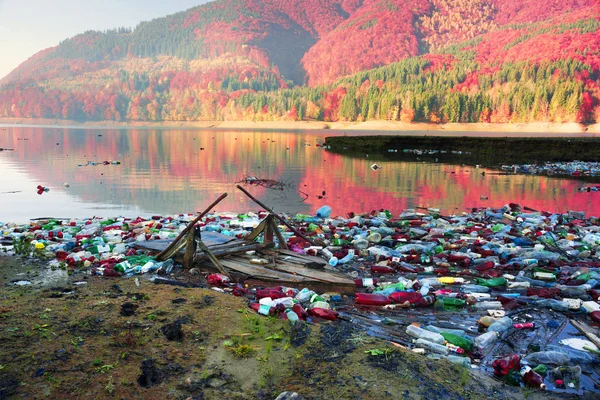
(300, 269)
(313, 259)
(315, 274)
(587, 330)
(261, 272)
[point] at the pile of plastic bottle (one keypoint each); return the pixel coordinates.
(573, 168)
(105, 246)
(486, 263)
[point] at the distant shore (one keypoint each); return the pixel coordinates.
(391, 127)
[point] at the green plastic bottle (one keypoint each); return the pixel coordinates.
(453, 302)
(492, 283)
(541, 369)
(464, 343)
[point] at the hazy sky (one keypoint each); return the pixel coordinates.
(28, 26)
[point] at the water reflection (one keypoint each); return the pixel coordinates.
(172, 171)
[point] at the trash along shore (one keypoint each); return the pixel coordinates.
(488, 303)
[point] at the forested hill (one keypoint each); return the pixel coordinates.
(355, 60)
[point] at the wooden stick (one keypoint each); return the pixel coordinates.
(190, 226)
(190, 250)
(280, 238)
(283, 221)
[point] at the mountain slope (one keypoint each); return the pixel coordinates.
(240, 59)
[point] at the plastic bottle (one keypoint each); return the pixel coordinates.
(329, 315)
(301, 312)
(576, 356)
(217, 279)
(328, 254)
(570, 374)
(485, 340)
(492, 283)
(462, 342)
(333, 261)
(488, 305)
(463, 361)
(501, 325)
(287, 302)
(274, 293)
(365, 282)
(292, 317)
(504, 365)
(263, 309)
(324, 212)
(453, 302)
(419, 333)
(431, 346)
(527, 325)
(549, 357)
(469, 288)
(456, 332)
(556, 305)
(304, 295)
(402, 297)
(347, 258)
(532, 378)
(371, 299)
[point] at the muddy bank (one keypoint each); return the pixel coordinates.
(93, 337)
(487, 151)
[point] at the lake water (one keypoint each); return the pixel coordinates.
(170, 171)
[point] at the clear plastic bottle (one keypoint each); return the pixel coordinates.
(470, 288)
(500, 325)
(419, 333)
(434, 347)
(486, 340)
(488, 305)
(463, 361)
(457, 332)
(549, 357)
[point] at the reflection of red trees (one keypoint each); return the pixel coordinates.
(171, 165)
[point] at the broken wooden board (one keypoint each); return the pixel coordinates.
(218, 244)
(296, 268)
(285, 274)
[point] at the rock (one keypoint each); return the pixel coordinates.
(289, 396)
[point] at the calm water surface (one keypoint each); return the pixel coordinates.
(175, 171)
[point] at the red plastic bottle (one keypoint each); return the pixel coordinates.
(402, 297)
(425, 301)
(380, 269)
(263, 309)
(528, 325)
(217, 279)
(329, 315)
(300, 312)
(371, 299)
(365, 282)
(274, 293)
(503, 366)
(532, 378)
(485, 266)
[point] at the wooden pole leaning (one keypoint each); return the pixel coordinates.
(283, 221)
(163, 255)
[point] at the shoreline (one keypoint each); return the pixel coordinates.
(538, 129)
